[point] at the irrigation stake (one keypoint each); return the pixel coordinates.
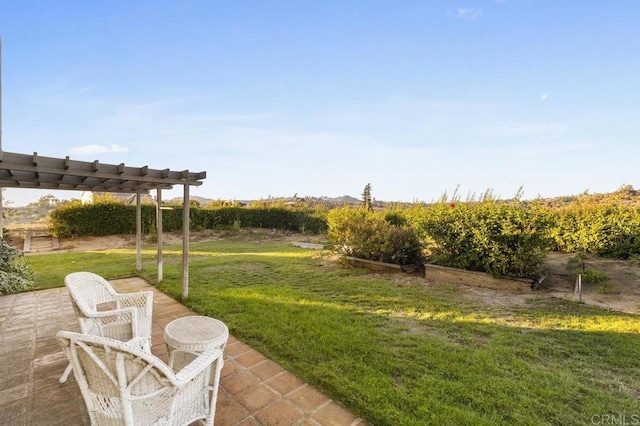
(578, 286)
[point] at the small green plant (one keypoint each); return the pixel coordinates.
(15, 274)
(236, 225)
(635, 259)
(609, 288)
(592, 276)
(153, 237)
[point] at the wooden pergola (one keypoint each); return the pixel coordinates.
(36, 172)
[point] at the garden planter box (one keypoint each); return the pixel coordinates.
(434, 273)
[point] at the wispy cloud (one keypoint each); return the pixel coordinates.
(97, 149)
(466, 12)
(544, 96)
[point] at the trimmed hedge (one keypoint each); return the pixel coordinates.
(110, 218)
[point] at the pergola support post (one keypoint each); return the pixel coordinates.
(138, 232)
(1, 216)
(159, 232)
(185, 243)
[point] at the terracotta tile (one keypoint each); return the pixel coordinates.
(47, 346)
(71, 414)
(239, 382)
(307, 422)
(232, 340)
(333, 414)
(257, 397)
(50, 366)
(14, 413)
(266, 370)
(50, 393)
(279, 414)
(13, 379)
(14, 394)
(307, 399)
(230, 367)
(250, 358)
(14, 362)
(251, 421)
(229, 413)
(285, 383)
(236, 349)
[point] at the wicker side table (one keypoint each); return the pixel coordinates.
(187, 337)
(193, 335)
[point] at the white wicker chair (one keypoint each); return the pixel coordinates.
(124, 385)
(102, 311)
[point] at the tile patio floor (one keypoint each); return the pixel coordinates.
(253, 389)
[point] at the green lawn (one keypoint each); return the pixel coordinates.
(396, 351)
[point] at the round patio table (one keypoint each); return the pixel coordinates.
(192, 336)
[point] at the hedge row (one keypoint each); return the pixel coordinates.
(76, 219)
(503, 239)
(607, 230)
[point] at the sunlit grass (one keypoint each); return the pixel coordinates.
(400, 352)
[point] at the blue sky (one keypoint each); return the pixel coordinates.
(276, 98)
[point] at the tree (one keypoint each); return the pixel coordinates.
(366, 198)
(44, 204)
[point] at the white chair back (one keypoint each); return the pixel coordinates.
(124, 385)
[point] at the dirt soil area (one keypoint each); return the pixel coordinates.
(621, 292)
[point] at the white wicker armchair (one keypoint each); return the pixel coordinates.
(102, 311)
(124, 385)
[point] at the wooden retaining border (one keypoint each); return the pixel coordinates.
(442, 274)
(373, 265)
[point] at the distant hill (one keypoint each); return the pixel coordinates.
(626, 195)
(329, 201)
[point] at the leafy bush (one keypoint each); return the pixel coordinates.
(503, 239)
(15, 274)
(607, 230)
(368, 235)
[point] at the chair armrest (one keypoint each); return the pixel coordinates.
(139, 300)
(116, 313)
(197, 366)
(126, 319)
(140, 343)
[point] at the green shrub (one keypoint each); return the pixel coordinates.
(15, 274)
(607, 230)
(503, 239)
(608, 288)
(368, 235)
